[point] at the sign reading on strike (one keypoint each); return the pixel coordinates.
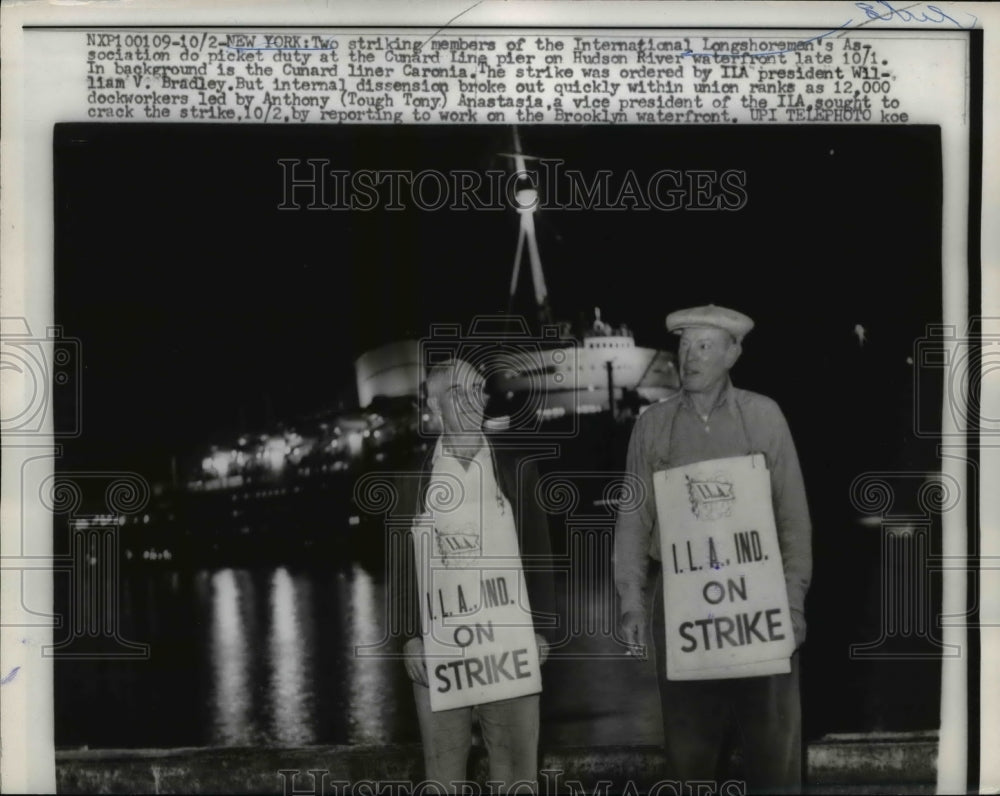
(724, 595)
(479, 638)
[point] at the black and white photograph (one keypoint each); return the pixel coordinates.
(252, 326)
(505, 457)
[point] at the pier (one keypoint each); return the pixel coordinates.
(842, 764)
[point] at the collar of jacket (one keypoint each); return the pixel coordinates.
(502, 472)
(727, 398)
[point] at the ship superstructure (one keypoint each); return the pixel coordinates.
(601, 370)
(267, 488)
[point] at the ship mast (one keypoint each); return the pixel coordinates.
(526, 200)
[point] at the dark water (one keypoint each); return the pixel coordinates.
(287, 656)
(291, 655)
(238, 657)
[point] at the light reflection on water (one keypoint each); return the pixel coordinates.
(282, 656)
(366, 675)
(263, 671)
(239, 698)
(229, 653)
(273, 657)
(291, 692)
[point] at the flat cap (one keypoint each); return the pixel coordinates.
(736, 323)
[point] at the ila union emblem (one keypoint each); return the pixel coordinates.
(711, 498)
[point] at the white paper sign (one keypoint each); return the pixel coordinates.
(479, 638)
(725, 601)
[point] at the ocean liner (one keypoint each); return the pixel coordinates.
(290, 488)
(540, 366)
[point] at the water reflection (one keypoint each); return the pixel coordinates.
(366, 675)
(291, 676)
(283, 656)
(278, 657)
(229, 653)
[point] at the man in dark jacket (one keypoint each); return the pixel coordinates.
(494, 516)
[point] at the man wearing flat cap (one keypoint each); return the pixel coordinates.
(710, 419)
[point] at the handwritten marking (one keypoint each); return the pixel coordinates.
(687, 53)
(11, 676)
(906, 15)
(897, 14)
(446, 24)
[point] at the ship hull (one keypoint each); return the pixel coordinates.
(576, 379)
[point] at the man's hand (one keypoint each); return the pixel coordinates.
(798, 627)
(416, 669)
(633, 628)
(543, 649)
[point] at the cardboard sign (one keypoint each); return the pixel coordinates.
(724, 595)
(479, 638)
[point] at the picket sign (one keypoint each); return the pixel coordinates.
(479, 638)
(724, 595)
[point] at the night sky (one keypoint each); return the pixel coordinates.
(202, 308)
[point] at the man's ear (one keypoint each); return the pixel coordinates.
(732, 354)
(434, 404)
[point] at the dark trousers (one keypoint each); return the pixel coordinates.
(699, 717)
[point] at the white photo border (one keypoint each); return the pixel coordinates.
(26, 290)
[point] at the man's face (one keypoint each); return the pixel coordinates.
(706, 354)
(460, 399)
